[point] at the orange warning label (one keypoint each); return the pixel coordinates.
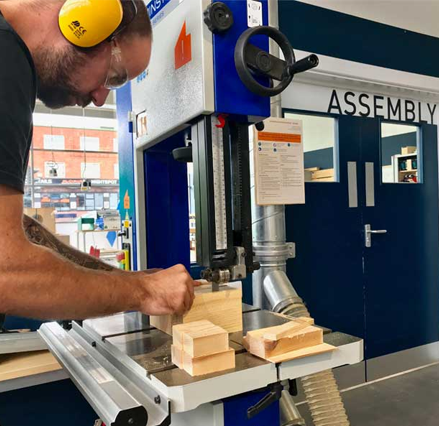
(183, 48)
(279, 137)
(126, 201)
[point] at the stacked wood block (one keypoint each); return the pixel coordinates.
(326, 175)
(295, 339)
(408, 150)
(223, 308)
(201, 348)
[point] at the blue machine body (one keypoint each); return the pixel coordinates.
(166, 190)
(231, 95)
(126, 163)
(166, 181)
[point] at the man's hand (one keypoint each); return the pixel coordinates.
(168, 291)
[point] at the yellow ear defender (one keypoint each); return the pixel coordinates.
(86, 23)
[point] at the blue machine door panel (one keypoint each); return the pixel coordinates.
(401, 271)
(327, 270)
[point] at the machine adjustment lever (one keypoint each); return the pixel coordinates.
(251, 62)
(183, 154)
(293, 387)
(274, 395)
(304, 64)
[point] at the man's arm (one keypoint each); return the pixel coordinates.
(40, 235)
(36, 282)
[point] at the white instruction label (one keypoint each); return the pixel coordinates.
(254, 15)
(279, 166)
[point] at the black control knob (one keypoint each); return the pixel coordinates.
(183, 154)
(218, 17)
(251, 61)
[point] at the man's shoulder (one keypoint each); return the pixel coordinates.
(8, 34)
(16, 60)
(12, 47)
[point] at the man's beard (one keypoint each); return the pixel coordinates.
(55, 70)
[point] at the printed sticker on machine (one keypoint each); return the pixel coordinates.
(279, 166)
(254, 13)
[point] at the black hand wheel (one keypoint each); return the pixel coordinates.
(251, 61)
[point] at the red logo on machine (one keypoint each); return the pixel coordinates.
(183, 48)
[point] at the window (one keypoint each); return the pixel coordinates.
(115, 145)
(319, 147)
(99, 201)
(53, 142)
(90, 143)
(52, 169)
(59, 139)
(89, 201)
(400, 162)
(90, 170)
(114, 201)
(116, 171)
(80, 201)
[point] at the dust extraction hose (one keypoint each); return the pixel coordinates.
(321, 389)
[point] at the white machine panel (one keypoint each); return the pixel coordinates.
(186, 397)
(347, 354)
(178, 85)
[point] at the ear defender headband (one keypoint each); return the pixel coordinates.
(86, 23)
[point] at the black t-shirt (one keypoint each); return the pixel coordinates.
(18, 88)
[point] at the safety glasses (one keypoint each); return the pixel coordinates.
(117, 74)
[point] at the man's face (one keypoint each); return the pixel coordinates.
(69, 76)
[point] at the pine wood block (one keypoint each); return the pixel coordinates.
(222, 308)
(200, 338)
(287, 329)
(330, 179)
(14, 366)
(326, 173)
(302, 353)
(258, 345)
(203, 365)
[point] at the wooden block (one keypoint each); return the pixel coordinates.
(222, 308)
(256, 344)
(330, 179)
(203, 365)
(326, 173)
(302, 353)
(287, 329)
(14, 366)
(312, 169)
(408, 150)
(200, 338)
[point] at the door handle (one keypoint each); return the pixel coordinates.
(368, 234)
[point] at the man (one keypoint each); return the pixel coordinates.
(57, 281)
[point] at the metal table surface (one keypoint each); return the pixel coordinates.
(139, 364)
(151, 349)
(118, 324)
(21, 342)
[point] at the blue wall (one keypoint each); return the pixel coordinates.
(392, 145)
(330, 33)
(323, 158)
